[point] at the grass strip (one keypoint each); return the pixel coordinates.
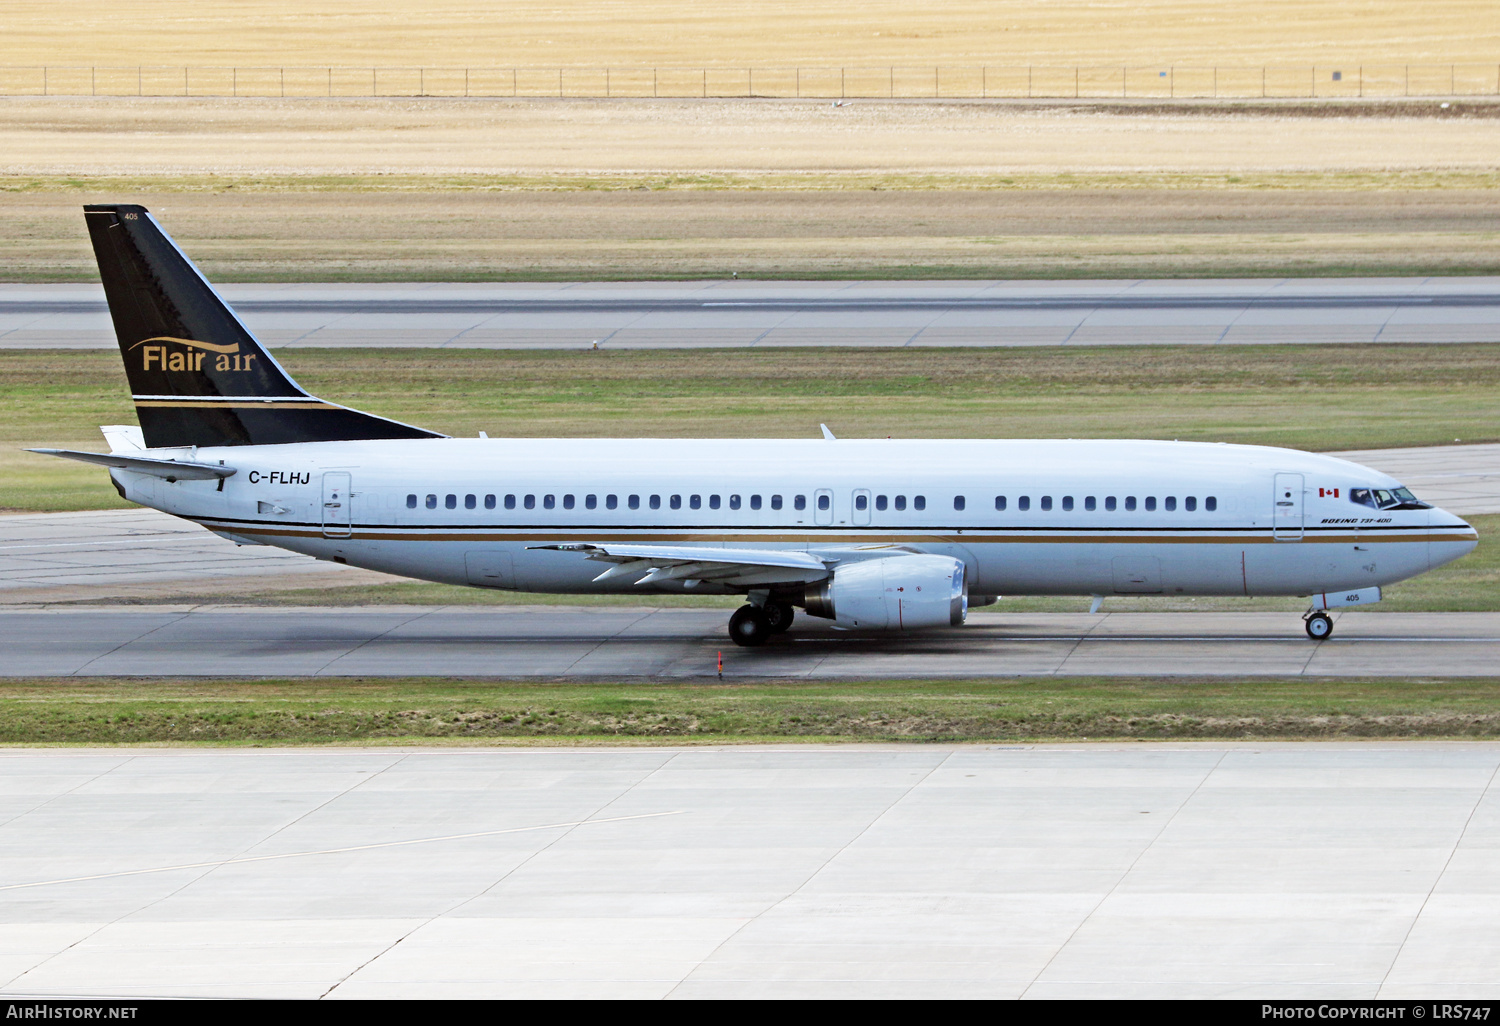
(1314, 397)
(439, 711)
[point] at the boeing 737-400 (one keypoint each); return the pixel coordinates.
(883, 535)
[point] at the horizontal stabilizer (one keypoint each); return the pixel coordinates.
(172, 470)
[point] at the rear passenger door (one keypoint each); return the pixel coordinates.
(860, 514)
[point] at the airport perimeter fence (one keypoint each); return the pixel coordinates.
(887, 82)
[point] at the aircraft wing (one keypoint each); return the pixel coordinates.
(700, 563)
(172, 470)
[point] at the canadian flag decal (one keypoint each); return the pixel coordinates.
(1326, 492)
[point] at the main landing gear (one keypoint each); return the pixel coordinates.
(752, 625)
(1319, 626)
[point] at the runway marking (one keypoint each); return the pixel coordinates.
(336, 851)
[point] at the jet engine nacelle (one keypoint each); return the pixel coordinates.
(896, 593)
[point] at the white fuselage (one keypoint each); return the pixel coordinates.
(1078, 517)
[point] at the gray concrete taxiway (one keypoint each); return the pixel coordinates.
(738, 314)
(1268, 871)
(616, 641)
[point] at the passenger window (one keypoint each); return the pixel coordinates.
(1130, 503)
(900, 502)
(1109, 503)
(800, 502)
(1089, 503)
(1210, 504)
(567, 502)
(775, 502)
(1046, 502)
(591, 502)
(432, 502)
(1171, 503)
(824, 502)
(549, 501)
(656, 502)
(919, 502)
(634, 502)
(1024, 502)
(529, 502)
(879, 502)
(713, 502)
(958, 502)
(861, 502)
(695, 502)
(489, 502)
(1067, 503)
(411, 502)
(450, 501)
(755, 502)
(611, 502)
(675, 502)
(1190, 503)
(1150, 504)
(510, 502)
(734, 502)
(470, 502)
(1000, 503)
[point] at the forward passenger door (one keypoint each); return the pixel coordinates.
(1286, 508)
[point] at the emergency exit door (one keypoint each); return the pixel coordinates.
(1286, 508)
(338, 512)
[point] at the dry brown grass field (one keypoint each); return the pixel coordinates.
(690, 32)
(478, 234)
(490, 190)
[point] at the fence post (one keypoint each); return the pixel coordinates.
(91, 82)
(283, 83)
(234, 82)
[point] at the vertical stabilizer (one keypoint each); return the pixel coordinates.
(198, 375)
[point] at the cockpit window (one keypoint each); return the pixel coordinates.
(1387, 498)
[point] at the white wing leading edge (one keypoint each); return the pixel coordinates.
(743, 567)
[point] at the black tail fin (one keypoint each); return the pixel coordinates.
(198, 375)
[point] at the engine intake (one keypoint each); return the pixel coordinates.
(893, 594)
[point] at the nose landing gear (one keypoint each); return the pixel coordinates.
(1319, 626)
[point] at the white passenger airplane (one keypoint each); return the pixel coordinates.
(869, 534)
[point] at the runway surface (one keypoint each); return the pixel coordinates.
(738, 314)
(140, 553)
(1306, 870)
(620, 641)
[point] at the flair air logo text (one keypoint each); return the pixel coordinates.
(185, 354)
